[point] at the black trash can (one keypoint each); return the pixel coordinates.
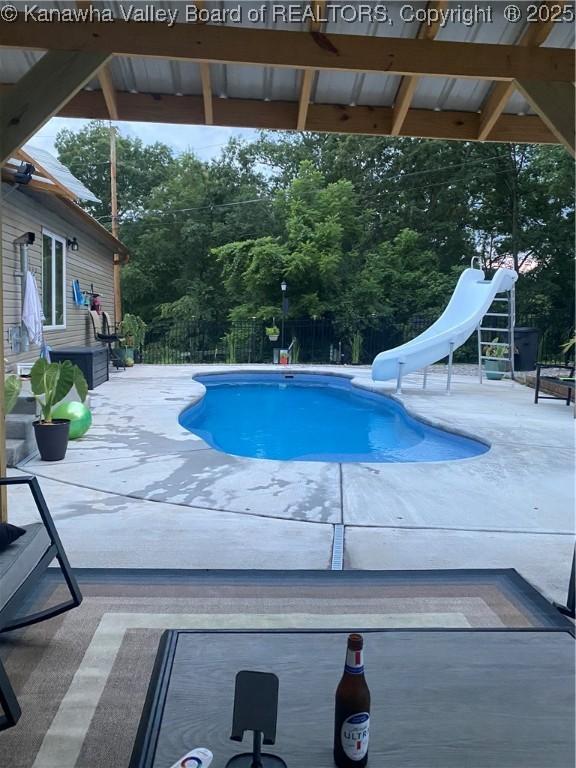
(526, 343)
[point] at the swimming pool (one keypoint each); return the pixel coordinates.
(307, 417)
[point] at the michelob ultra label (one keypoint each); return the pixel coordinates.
(355, 734)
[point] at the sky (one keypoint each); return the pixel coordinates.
(205, 141)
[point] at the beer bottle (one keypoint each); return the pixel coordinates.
(352, 710)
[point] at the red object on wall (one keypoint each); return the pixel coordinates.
(96, 303)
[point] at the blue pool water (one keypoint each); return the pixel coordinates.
(307, 417)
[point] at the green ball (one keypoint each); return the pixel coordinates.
(78, 415)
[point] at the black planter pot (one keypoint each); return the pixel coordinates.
(52, 439)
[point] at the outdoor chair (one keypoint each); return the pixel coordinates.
(562, 384)
(105, 332)
(22, 564)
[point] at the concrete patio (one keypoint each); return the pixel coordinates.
(140, 491)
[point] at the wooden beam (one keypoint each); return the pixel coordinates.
(295, 50)
(533, 36)
(207, 97)
(308, 75)
(104, 76)
(304, 100)
(36, 184)
(117, 265)
(556, 105)
(41, 93)
(206, 79)
(409, 84)
(3, 489)
(282, 115)
(108, 92)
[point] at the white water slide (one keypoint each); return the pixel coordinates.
(470, 301)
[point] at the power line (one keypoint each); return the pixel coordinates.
(168, 211)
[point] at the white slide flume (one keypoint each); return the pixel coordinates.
(469, 303)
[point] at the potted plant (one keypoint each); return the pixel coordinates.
(495, 369)
(133, 332)
(51, 382)
(272, 333)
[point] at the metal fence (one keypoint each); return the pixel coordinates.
(313, 341)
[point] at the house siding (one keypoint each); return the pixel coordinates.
(92, 264)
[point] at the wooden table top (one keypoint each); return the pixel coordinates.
(440, 699)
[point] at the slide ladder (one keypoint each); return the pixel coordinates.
(501, 326)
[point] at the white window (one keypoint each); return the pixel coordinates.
(53, 280)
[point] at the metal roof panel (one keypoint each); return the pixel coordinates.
(53, 166)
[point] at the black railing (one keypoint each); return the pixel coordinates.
(313, 341)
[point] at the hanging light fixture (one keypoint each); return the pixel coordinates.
(24, 174)
(72, 244)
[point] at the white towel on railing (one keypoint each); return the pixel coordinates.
(32, 314)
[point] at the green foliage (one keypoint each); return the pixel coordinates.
(356, 347)
(140, 168)
(495, 350)
(133, 330)
(295, 350)
(570, 344)
(12, 387)
(51, 382)
(272, 331)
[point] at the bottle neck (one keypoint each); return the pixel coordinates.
(354, 662)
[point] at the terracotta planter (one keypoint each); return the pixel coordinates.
(52, 439)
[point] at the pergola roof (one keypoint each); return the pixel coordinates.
(447, 80)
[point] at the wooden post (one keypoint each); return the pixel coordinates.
(555, 103)
(114, 212)
(3, 489)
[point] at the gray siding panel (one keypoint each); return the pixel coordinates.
(91, 264)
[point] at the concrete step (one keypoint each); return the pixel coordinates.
(18, 450)
(25, 404)
(19, 426)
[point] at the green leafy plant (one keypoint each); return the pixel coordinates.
(133, 331)
(356, 347)
(570, 344)
(12, 387)
(295, 350)
(231, 344)
(272, 331)
(493, 349)
(51, 382)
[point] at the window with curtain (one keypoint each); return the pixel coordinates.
(53, 280)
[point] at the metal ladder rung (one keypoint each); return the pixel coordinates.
(496, 314)
(495, 344)
(489, 357)
(504, 299)
(500, 330)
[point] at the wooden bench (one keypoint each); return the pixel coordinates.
(21, 566)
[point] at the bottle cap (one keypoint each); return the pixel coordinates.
(355, 642)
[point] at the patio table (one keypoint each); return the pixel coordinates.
(440, 698)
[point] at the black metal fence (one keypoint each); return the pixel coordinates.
(313, 341)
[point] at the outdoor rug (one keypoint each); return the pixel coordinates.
(82, 677)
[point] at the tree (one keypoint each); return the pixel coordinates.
(140, 168)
